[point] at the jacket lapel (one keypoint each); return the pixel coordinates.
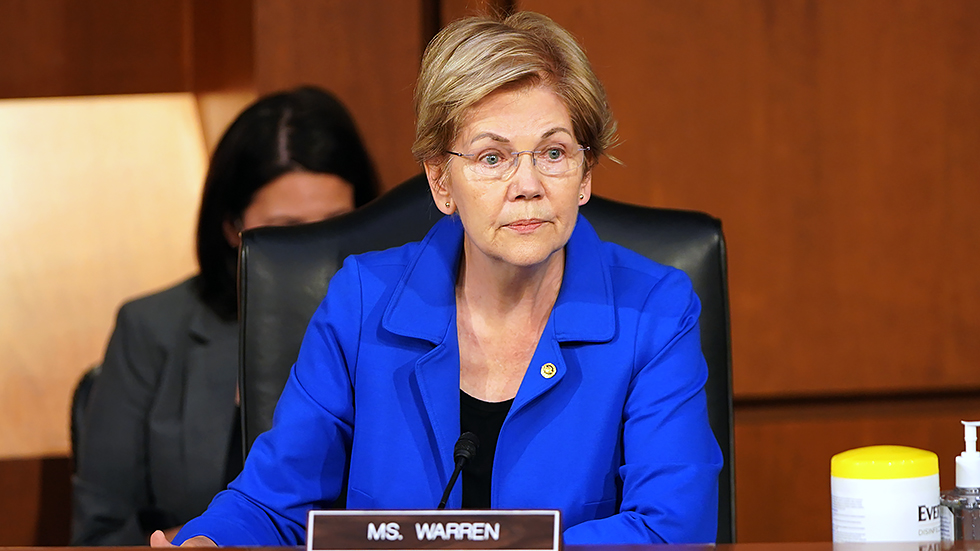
(423, 306)
(547, 369)
(583, 312)
(437, 374)
(209, 408)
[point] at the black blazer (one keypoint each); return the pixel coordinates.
(159, 420)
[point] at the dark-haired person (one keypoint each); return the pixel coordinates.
(162, 435)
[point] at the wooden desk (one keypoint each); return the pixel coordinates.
(807, 546)
(800, 546)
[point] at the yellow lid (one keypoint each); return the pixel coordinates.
(884, 462)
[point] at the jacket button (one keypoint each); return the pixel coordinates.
(548, 370)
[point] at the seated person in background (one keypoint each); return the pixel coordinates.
(162, 432)
(576, 362)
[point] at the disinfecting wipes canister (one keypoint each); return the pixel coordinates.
(885, 494)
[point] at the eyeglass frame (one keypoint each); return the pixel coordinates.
(517, 156)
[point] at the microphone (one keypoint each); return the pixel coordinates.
(465, 450)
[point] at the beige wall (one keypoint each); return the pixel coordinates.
(98, 197)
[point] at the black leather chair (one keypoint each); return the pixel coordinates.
(79, 401)
(284, 273)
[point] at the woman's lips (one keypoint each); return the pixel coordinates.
(525, 226)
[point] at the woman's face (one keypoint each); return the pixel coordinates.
(525, 218)
(294, 198)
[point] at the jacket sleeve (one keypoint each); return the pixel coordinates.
(110, 486)
(300, 463)
(671, 459)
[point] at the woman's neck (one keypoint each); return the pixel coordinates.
(501, 312)
(503, 291)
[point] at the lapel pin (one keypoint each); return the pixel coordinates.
(548, 370)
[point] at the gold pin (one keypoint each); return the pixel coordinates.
(548, 370)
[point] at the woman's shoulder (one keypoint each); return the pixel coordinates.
(441, 244)
(401, 255)
(637, 280)
(384, 268)
(171, 298)
(163, 311)
(635, 266)
(626, 267)
(148, 331)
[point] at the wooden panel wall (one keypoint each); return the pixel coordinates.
(85, 47)
(368, 56)
(783, 451)
(36, 501)
(223, 62)
(836, 139)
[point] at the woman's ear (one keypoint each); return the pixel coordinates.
(585, 188)
(435, 172)
(233, 234)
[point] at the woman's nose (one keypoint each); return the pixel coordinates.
(526, 181)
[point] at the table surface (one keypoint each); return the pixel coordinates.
(801, 546)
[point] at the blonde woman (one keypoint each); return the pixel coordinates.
(576, 362)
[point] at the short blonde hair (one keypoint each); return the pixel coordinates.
(476, 56)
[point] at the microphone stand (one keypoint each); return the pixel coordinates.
(463, 451)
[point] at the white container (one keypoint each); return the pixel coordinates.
(885, 494)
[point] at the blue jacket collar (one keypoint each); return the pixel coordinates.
(423, 303)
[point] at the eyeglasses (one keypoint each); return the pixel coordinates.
(494, 164)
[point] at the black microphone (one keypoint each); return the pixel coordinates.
(465, 450)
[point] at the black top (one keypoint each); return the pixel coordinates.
(483, 419)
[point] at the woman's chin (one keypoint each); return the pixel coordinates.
(530, 254)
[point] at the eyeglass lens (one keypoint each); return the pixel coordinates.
(550, 162)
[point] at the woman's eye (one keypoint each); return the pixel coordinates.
(554, 153)
(490, 159)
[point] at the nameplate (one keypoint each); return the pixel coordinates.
(339, 530)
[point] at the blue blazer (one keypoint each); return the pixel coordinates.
(616, 436)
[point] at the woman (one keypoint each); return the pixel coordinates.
(161, 431)
(576, 362)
